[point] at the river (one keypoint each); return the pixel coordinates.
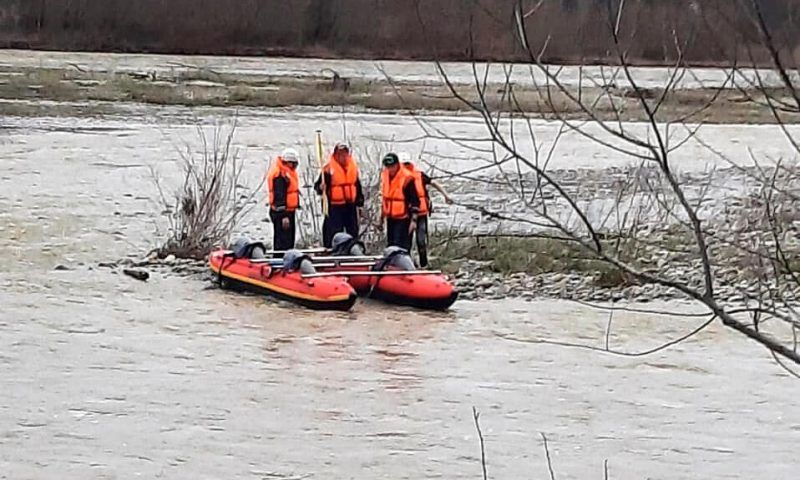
(400, 71)
(105, 377)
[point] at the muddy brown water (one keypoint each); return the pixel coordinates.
(102, 376)
(399, 71)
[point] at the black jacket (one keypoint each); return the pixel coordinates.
(278, 188)
(412, 199)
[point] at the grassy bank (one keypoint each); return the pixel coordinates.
(537, 256)
(207, 88)
(528, 255)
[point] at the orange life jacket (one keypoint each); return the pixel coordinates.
(343, 181)
(395, 205)
(422, 193)
(281, 169)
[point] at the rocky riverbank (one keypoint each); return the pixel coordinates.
(741, 244)
(479, 280)
(476, 282)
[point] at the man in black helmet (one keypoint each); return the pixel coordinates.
(400, 205)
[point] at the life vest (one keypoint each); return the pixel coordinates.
(281, 169)
(422, 193)
(395, 205)
(343, 181)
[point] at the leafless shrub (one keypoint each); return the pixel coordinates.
(371, 223)
(206, 207)
(310, 217)
(655, 224)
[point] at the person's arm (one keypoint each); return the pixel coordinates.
(318, 184)
(412, 199)
(359, 193)
(279, 188)
(437, 186)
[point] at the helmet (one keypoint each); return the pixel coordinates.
(340, 240)
(240, 247)
(390, 159)
(290, 155)
(258, 251)
(393, 250)
(292, 259)
(396, 257)
(341, 146)
(358, 249)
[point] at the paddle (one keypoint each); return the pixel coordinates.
(308, 251)
(315, 260)
(279, 263)
(272, 252)
(344, 258)
(323, 187)
(391, 273)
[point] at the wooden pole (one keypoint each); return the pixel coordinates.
(328, 259)
(321, 162)
(391, 273)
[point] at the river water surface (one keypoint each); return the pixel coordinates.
(402, 71)
(105, 377)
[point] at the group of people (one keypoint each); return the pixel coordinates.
(405, 199)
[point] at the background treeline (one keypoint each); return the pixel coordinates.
(713, 31)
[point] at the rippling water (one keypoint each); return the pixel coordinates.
(105, 377)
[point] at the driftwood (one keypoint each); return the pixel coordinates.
(141, 275)
(338, 83)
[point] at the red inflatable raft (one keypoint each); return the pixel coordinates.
(324, 293)
(425, 290)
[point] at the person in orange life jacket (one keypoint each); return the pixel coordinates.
(344, 192)
(284, 198)
(421, 182)
(400, 202)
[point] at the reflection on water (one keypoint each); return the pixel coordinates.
(105, 377)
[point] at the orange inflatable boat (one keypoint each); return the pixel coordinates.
(268, 278)
(418, 289)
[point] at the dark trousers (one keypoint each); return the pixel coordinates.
(421, 234)
(341, 218)
(282, 239)
(397, 233)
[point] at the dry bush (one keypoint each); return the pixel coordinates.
(205, 209)
(309, 216)
(655, 225)
(369, 156)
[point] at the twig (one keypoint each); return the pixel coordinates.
(642, 353)
(547, 455)
(476, 417)
(608, 327)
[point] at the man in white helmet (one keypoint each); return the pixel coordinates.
(283, 188)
